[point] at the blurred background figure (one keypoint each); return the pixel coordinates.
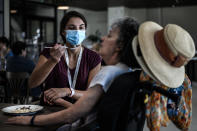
(5, 51)
(19, 63)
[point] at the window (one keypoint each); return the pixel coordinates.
(1, 18)
(34, 20)
(41, 29)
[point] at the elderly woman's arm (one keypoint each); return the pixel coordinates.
(83, 106)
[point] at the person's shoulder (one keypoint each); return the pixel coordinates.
(10, 58)
(129, 76)
(9, 54)
(27, 60)
(117, 67)
(113, 70)
(109, 67)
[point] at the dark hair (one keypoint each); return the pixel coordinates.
(67, 17)
(17, 47)
(128, 29)
(4, 41)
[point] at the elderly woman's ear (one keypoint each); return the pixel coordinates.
(119, 47)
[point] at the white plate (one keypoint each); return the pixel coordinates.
(22, 109)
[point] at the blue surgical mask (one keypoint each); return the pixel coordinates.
(75, 37)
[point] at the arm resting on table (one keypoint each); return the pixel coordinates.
(83, 106)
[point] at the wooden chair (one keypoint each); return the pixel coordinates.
(17, 87)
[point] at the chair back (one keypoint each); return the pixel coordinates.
(17, 86)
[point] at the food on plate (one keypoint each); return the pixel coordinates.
(23, 109)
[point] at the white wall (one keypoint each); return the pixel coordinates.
(7, 18)
(114, 13)
(60, 14)
(154, 14)
(101, 20)
(139, 14)
(183, 16)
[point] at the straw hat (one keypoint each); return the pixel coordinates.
(163, 52)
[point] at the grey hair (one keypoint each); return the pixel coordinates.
(128, 29)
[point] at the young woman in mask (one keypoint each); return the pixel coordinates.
(66, 70)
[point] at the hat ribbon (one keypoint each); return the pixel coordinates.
(165, 52)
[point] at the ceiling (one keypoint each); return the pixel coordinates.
(99, 5)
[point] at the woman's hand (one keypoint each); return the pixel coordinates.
(62, 102)
(56, 52)
(54, 93)
(19, 120)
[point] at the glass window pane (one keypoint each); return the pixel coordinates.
(1, 5)
(48, 31)
(33, 28)
(44, 32)
(1, 24)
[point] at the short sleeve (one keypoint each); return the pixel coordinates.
(106, 76)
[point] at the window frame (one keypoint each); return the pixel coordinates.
(2, 14)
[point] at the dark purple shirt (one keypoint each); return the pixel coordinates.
(58, 76)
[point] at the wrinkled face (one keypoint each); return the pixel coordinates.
(109, 45)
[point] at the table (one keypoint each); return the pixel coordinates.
(2, 76)
(3, 83)
(46, 110)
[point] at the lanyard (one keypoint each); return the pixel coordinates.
(72, 84)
